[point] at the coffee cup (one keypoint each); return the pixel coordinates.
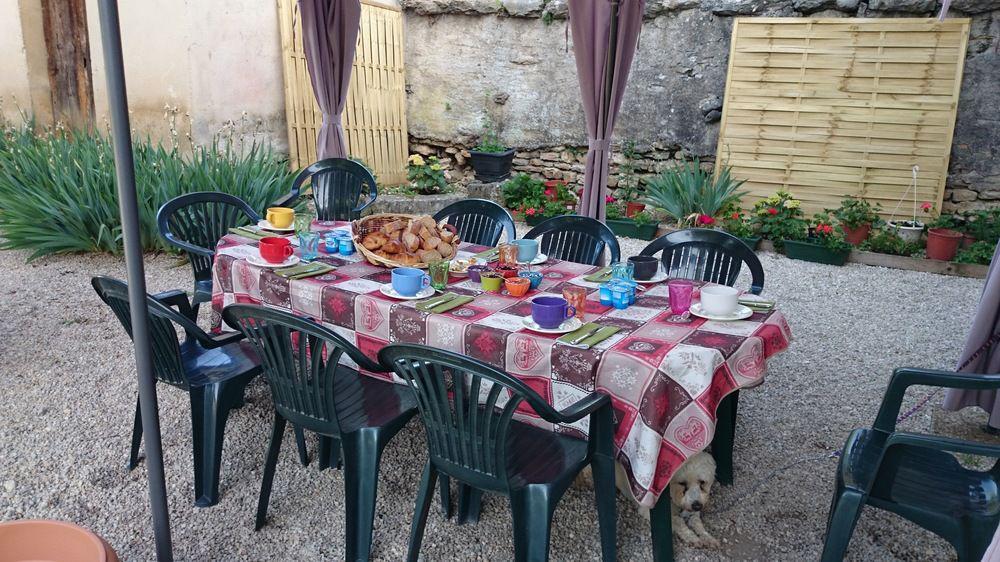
(550, 312)
(280, 217)
(274, 249)
(719, 300)
(645, 267)
(409, 281)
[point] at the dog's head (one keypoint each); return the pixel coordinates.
(691, 485)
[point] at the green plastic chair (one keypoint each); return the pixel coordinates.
(467, 407)
(311, 389)
(214, 371)
(916, 475)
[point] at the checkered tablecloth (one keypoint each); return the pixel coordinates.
(665, 379)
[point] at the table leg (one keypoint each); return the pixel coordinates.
(725, 436)
(661, 528)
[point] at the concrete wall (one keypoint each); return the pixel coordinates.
(14, 87)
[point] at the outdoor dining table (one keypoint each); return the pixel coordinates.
(665, 378)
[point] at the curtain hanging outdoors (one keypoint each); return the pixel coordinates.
(329, 38)
(604, 46)
(982, 349)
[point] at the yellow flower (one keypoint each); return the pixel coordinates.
(417, 160)
(435, 167)
(792, 204)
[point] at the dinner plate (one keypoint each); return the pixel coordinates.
(261, 262)
(741, 313)
(388, 291)
(660, 276)
(569, 325)
(268, 226)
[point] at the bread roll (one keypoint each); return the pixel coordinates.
(393, 226)
(393, 248)
(411, 242)
(446, 234)
(405, 259)
(431, 243)
(426, 234)
(446, 250)
(430, 255)
(374, 241)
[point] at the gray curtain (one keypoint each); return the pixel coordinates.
(590, 23)
(329, 36)
(982, 352)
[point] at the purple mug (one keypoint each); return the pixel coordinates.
(475, 271)
(550, 312)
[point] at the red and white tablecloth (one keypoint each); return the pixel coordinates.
(665, 379)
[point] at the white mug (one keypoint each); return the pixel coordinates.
(719, 300)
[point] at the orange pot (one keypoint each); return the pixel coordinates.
(857, 235)
(942, 243)
(633, 209)
(51, 540)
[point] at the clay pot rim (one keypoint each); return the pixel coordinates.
(945, 232)
(100, 547)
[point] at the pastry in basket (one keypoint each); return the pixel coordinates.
(374, 241)
(446, 250)
(430, 255)
(431, 243)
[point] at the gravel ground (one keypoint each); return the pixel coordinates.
(69, 392)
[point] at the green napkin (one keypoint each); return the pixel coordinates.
(246, 233)
(304, 270)
(488, 255)
(757, 303)
(453, 303)
(430, 303)
(597, 337)
(599, 276)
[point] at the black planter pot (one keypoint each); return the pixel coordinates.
(491, 166)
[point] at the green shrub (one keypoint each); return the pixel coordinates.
(687, 191)
(980, 252)
(888, 242)
(58, 191)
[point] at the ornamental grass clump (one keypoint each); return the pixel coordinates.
(58, 189)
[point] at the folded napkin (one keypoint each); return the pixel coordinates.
(430, 303)
(599, 276)
(444, 303)
(756, 302)
(247, 233)
(488, 255)
(304, 270)
(602, 333)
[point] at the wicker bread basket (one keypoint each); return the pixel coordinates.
(372, 223)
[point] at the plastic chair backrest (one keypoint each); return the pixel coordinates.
(707, 255)
(478, 221)
(576, 238)
(338, 185)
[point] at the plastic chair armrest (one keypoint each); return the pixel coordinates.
(187, 246)
(223, 339)
(906, 377)
(287, 200)
(940, 443)
(373, 195)
(176, 298)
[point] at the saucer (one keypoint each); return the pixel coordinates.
(741, 313)
(660, 276)
(261, 262)
(539, 259)
(388, 291)
(263, 224)
(569, 325)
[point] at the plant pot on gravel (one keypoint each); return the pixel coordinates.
(942, 244)
(630, 229)
(491, 166)
(816, 253)
(856, 235)
(752, 243)
(967, 241)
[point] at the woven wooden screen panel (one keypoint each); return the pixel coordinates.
(374, 119)
(827, 108)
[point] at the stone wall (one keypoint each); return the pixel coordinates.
(511, 61)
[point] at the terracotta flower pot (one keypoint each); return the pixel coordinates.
(51, 540)
(633, 209)
(856, 235)
(967, 241)
(942, 243)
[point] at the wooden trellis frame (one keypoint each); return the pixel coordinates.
(827, 108)
(374, 119)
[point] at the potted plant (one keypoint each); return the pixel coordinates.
(533, 202)
(856, 217)
(629, 190)
(981, 226)
(426, 176)
(823, 244)
(779, 218)
(942, 238)
(735, 222)
(640, 225)
(688, 191)
(980, 253)
(911, 230)
(885, 241)
(491, 159)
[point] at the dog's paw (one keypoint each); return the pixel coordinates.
(708, 541)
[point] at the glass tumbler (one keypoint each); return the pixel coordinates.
(309, 245)
(508, 254)
(577, 298)
(438, 271)
(623, 270)
(680, 296)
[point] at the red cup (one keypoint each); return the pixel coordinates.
(274, 249)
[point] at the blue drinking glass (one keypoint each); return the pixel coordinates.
(309, 245)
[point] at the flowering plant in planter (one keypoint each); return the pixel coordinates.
(779, 218)
(737, 223)
(822, 244)
(426, 176)
(532, 200)
(824, 234)
(856, 217)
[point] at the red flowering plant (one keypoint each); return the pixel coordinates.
(530, 197)
(736, 222)
(779, 218)
(822, 233)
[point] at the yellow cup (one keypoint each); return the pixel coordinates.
(280, 217)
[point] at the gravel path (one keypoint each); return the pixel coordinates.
(69, 393)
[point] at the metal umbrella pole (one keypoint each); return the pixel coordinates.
(129, 209)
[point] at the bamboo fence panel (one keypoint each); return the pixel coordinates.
(827, 108)
(374, 118)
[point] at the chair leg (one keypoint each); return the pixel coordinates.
(603, 468)
(424, 497)
(444, 483)
(725, 436)
(329, 452)
(661, 529)
(300, 443)
(469, 502)
(133, 457)
(362, 451)
(845, 515)
(270, 465)
(531, 510)
(209, 412)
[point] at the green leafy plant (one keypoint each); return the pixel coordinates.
(58, 189)
(822, 232)
(614, 211)
(983, 225)
(629, 188)
(855, 212)
(687, 191)
(531, 198)
(778, 218)
(980, 252)
(736, 222)
(888, 242)
(490, 140)
(426, 176)
(950, 222)
(642, 218)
